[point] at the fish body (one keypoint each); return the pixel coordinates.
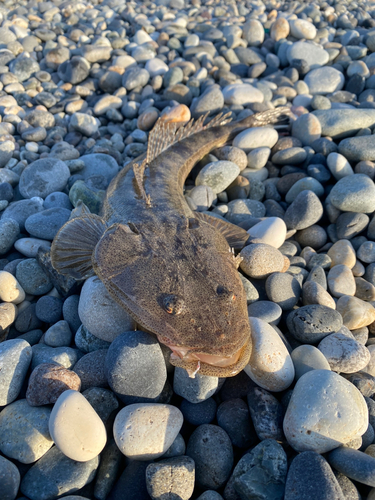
(172, 269)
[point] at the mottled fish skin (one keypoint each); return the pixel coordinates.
(171, 270)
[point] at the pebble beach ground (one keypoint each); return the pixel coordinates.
(90, 407)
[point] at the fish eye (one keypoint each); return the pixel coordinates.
(193, 223)
(173, 304)
(224, 293)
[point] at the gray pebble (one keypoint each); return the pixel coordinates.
(46, 224)
(9, 478)
(310, 324)
(9, 230)
(91, 369)
(87, 342)
(32, 278)
(58, 335)
(64, 356)
(196, 389)
(266, 414)
(305, 211)
(199, 413)
(283, 289)
(265, 310)
(354, 464)
(43, 177)
(15, 358)
(171, 478)
(103, 401)
(234, 417)
(21, 210)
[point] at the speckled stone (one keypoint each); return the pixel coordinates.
(196, 389)
(266, 414)
(344, 354)
(310, 324)
(260, 260)
(171, 478)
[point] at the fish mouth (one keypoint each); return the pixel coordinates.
(209, 364)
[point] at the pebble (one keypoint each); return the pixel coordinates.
(195, 390)
(306, 358)
(218, 175)
(324, 80)
(271, 231)
(283, 289)
(234, 417)
(24, 434)
(344, 354)
(15, 358)
(314, 293)
(32, 278)
(211, 449)
(58, 335)
(341, 281)
(10, 289)
(171, 477)
(43, 177)
(342, 253)
(260, 260)
(270, 365)
(131, 357)
(339, 165)
(242, 94)
(266, 414)
(256, 137)
(304, 211)
(354, 193)
(145, 431)
(10, 479)
(76, 428)
(309, 472)
(355, 312)
(310, 324)
(354, 464)
(311, 422)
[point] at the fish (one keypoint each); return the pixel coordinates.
(175, 271)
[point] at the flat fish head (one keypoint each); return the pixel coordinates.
(180, 282)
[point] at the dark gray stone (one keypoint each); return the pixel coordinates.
(46, 224)
(32, 278)
(103, 401)
(199, 413)
(354, 464)
(87, 342)
(266, 413)
(305, 211)
(49, 309)
(91, 369)
(310, 324)
(20, 210)
(234, 417)
(9, 479)
(9, 231)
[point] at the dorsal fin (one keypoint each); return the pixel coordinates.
(139, 170)
(74, 244)
(235, 236)
(164, 134)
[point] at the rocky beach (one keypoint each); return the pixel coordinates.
(90, 406)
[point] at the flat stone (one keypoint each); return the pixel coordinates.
(340, 123)
(218, 175)
(354, 193)
(260, 260)
(314, 55)
(358, 148)
(256, 137)
(311, 422)
(270, 365)
(242, 93)
(271, 231)
(76, 428)
(24, 434)
(354, 464)
(145, 431)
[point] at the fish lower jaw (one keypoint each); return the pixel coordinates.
(210, 359)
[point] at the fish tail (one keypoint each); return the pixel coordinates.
(271, 116)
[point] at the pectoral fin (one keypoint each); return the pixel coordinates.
(235, 236)
(74, 244)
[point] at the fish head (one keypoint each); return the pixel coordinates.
(181, 283)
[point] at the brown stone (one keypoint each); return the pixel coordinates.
(48, 381)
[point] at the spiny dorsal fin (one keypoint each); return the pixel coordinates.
(139, 170)
(235, 236)
(79, 210)
(164, 134)
(74, 244)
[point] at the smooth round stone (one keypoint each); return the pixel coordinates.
(103, 401)
(84, 124)
(131, 358)
(370, 368)
(211, 449)
(310, 324)
(135, 77)
(309, 472)
(350, 224)
(354, 464)
(354, 193)
(74, 71)
(91, 369)
(366, 252)
(29, 246)
(253, 32)
(48, 381)
(15, 358)
(70, 312)
(156, 67)
(100, 314)
(343, 353)
(99, 164)
(43, 177)
(218, 175)
(314, 293)
(145, 431)
(171, 477)
(314, 55)
(203, 196)
(324, 80)
(240, 210)
(283, 289)
(63, 356)
(279, 29)
(58, 335)
(307, 183)
(260, 260)
(256, 137)
(271, 231)
(57, 200)
(49, 309)
(194, 390)
(46, 224)
(9, 230)
(24, 434)
(341, 281)
(299, 28)
(266, 311)
(266, 414)
(210, 101)
(32, 278)
(358, 148)
(311, 422)
(339, 166)
(76, 428)
(10, 289)
(9, 479)
(234, 417)
(55, 472)
(258, 157)
(23, 68)
(242, 94)
(307, 129)
(306, 358)
(106, 103)
(270, 365)
(304, 211)
(289, 156)
(364, 290)
(355, 312)
(342, 252)
(339, 123)
(210, 495)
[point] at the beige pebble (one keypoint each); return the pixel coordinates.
(358, 269)
(177, 114)
(341, 281)
(270, 364)
(10, 289)
(355, 312)
(364, 289)
(145, 431)
(260, 260)
(280, 29)
(313, 293)
(342, 252)
(370, 450)
(271, 231)
(148, 119)
(8, 314)
(76, 428)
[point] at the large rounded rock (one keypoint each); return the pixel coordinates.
(310, 324)
(43, 177)
(100, 314)
(135, 367)
(324, 412)
(354, 193)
